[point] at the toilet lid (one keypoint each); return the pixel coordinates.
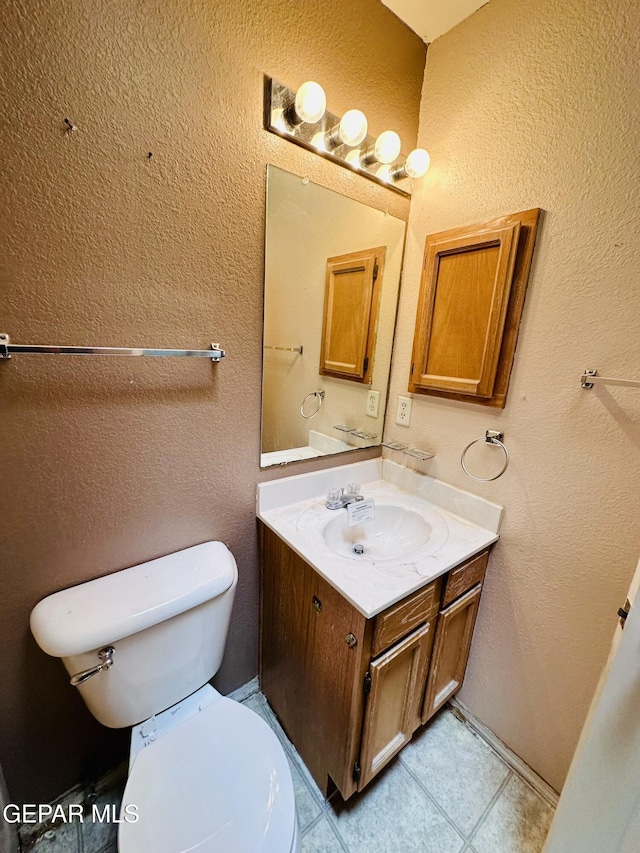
(217, 783)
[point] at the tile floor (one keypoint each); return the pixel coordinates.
(446, 792)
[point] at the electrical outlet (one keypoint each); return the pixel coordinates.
(403, 411)
(373, 404)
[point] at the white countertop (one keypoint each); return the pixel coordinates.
(461, 524)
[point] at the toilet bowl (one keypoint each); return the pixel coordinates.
(206, 774)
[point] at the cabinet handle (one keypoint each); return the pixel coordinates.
(316, 603)
(351, 641)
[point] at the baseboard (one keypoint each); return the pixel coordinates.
(507, 755)
(246, 690)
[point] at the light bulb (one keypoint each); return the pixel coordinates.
(350, 131)
(310, 103)
(278, 120)
(417, 163)
(353, 158)
(318, 141)
(387, 147)
(384, 173)
(353, 128)
(415, 166)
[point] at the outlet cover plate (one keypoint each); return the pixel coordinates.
(403, 411)
(373, 404)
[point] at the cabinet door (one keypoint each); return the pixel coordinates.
(351, 300)
(464, 295)
(451, 651)
(393, 708)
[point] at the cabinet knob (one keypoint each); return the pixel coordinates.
(316, 603)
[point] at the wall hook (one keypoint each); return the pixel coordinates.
(70, 125)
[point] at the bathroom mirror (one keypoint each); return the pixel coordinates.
(332, 274)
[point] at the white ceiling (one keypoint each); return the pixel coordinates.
(432, 18)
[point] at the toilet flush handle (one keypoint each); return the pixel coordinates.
(106, 660)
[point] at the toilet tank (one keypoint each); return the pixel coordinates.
(167, 621)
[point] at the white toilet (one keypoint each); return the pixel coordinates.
(206, 774)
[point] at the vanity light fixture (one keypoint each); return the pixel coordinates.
(301, 117)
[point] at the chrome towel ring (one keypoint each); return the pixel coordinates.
(319, 396)
(492, 436)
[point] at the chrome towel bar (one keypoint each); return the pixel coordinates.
(7, 349)
(590, 377)
(299, 349)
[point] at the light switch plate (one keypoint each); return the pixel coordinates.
(373, 404)
(403, 411)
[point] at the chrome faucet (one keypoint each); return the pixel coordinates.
(339, 498)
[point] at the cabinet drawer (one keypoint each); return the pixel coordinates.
(464, 577)
(401, 618)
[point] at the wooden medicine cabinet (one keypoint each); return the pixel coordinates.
(472, 293)
(351, 302)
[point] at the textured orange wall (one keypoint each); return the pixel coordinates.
(534, 104)
(106, 463)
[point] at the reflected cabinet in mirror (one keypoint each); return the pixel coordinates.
(332, 273)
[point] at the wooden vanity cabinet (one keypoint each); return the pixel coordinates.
(350, 691)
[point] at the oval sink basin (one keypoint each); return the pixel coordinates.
(393, 534)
